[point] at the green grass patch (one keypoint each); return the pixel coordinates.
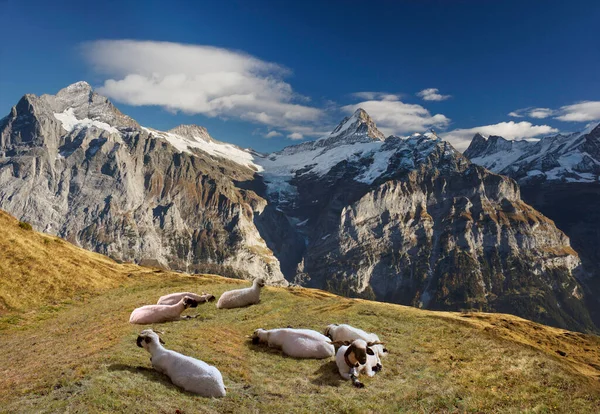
(82, 357)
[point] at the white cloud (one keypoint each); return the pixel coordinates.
(383, 96)
(541, 113)
(200, 80)
(432, 94)
(273, 134)
(394, 117)
(580, 112)
(295, 135)
(460, 138)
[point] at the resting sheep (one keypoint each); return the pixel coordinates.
(297, 343)
(241, 297)
(186, 372)
(355, 358)
(349, 333)
(161, 313)
(174, 298)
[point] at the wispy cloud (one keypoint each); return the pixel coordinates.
(432, 94)
(199, 79)
(579, 112)
(273, 134)
(460, 138)
(541, 113)
(394, 117)
(384, 96)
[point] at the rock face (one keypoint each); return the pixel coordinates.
(558, 175)
(74, 166)
(412, 221)
(405, 220)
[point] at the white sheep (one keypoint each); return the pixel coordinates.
(347, 333)
(355, 358)
(297, 343)
(186, 372)
(161, 313)
(241, 297)
(173, 298)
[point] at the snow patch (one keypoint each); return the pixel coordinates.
(213, 148)
(70, 122)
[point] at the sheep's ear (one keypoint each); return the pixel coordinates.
(139, 341)
(348, 351)
(160, 340)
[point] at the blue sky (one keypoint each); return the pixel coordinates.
(266, 74)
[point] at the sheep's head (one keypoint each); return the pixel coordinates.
(328, 330)
(358, 351)
(189, 302)
(208, 297)
(260, 282)
(146, 337)
(256, 336)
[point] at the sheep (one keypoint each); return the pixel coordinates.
(297, 343)
(161, 313)
(355, 358)
(186, 372)
(241, 297)
(349, 333)
(174, 298)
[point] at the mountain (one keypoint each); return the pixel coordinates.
(558, 175)
(67, 346)
(561, 158)
(404, 220)
(74, 166)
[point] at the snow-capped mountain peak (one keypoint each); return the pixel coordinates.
(196, 131)
(570, 158)
(357, 128)
(79, 104)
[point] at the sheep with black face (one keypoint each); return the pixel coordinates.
(161, 313)
(347, 333)
(186, 372)
(353, 359)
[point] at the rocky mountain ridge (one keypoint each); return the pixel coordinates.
(405, 220)
(558, 175)
(560, 158)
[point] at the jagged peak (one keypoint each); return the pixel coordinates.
(479, 137)
(359, 127)
(191, 130)
(75, 89)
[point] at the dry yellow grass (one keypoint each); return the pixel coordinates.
(79, 355)
(38, 269)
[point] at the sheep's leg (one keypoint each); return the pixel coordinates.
(356, 382)
(354, 378)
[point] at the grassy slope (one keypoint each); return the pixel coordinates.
(79, 355)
